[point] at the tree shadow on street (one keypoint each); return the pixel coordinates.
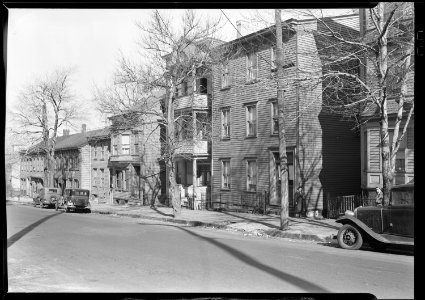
(292, 279)
(17, 236)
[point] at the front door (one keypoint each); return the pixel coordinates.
(275, 183)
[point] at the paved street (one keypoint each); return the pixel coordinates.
(51, 251)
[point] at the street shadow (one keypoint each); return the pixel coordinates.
(161, 213)
(295, 280)
(393, 249)
(17, 236)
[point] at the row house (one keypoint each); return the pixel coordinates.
(322, 151)
(100, 150)
(371, 159)
(192, 111)
(134, 167)
(72, 163)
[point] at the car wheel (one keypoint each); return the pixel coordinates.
(40, 202)
(57, 205)
(349, 237)
(378, 246)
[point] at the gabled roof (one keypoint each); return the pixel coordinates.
(392, 108)
(72, 141)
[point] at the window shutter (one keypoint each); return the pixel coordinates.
(410, 143)
(254, 120)
(374, 150)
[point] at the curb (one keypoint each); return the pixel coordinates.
(265, 233)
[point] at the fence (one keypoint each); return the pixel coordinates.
(252, 202)
(337, 206)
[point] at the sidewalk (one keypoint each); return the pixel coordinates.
(253, 224)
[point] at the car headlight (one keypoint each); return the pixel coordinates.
(349, 213)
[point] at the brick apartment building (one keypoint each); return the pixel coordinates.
(323, 153)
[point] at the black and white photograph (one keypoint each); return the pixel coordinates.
(211, 150)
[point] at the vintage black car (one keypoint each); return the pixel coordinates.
(74, 199)
(47, 196)
(380, 226)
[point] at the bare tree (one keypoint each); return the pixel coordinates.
(385, 51)
(176, 56)
(43, 108)
(363, 71)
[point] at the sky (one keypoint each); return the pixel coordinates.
(88, 40)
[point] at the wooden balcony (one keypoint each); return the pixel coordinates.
(196, 101)
(124, 158)
(192, 147)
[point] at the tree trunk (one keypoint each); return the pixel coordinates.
(172, 185)
(382, 63)
(284, 212)
(45, 127)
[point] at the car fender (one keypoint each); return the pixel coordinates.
(364, 228)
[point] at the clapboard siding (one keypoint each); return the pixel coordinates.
(337, 172)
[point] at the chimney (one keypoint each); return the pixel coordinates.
(83, 128)
(239, 28)
(65, 132)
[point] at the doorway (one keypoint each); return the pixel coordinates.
(275, 181)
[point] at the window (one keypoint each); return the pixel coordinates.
(400, 155)
(203, 86)
(251, 120)
(273, 59)
(225, 123)
(275, 118)
(252, 67)
(125, 144)
(225, 75)
(102, 152)
(225, 174)
(102, 179)
(94, 176)
(95, 152)
(251, 175)
(115, 150)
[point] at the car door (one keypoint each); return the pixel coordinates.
(402, 220)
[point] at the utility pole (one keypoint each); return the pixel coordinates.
(284, 211)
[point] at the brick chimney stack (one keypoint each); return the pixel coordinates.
(65, 132)
(239, 28)
(83, 128)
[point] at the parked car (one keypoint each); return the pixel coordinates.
(74, 199)
(380, 226)
(47, 196)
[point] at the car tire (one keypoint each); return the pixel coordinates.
(349, 237)
(57, 205)
(40, 203)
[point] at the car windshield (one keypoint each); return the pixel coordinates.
(53, 190)
(80, 193)
(402, 197)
